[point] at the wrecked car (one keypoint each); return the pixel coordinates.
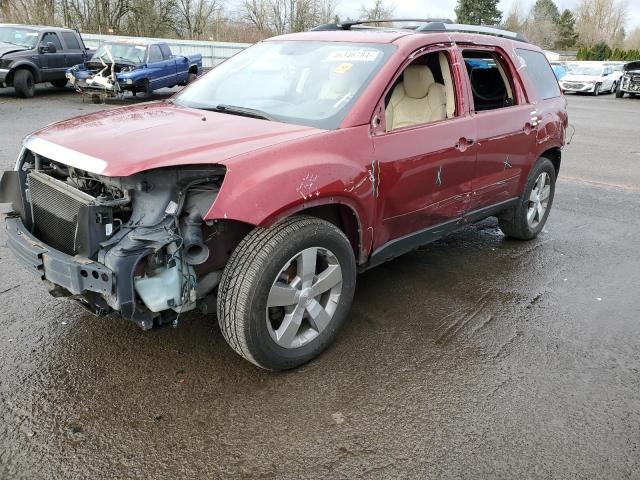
(630, 81)
(136, 66)
(261, 190)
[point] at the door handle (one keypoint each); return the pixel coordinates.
(464, 143)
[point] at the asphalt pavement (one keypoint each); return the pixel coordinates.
(473, 357)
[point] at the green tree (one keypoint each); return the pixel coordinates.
(600, 51)
(545, 9)
(478, 12)
(567, 36)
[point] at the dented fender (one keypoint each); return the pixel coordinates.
(292, 177)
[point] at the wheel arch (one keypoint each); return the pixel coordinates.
(24, 66)
(555, 155)
(338, 211)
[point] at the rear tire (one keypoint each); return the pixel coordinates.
(24, 83)
(269, 308)
(614, 87)
(59, 83)
(526, 220)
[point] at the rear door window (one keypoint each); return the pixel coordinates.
(491, 83)
(540, 72)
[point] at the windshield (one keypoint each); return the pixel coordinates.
(122, 52)
(22, 37)
(305, 83)
(594, 70)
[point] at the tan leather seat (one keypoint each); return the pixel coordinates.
(416, 100)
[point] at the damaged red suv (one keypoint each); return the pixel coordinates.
(261, 190)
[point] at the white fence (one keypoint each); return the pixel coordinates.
(212, 53)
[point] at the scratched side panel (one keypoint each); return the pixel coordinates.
(263, 187)
(425, 176)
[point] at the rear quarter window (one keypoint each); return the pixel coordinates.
(540, 72)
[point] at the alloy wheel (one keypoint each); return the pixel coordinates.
(539, 199)
(304, 297)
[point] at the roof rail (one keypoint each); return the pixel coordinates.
(459, 27)
(428, 25)
(348, 25)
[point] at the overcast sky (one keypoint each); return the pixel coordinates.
(444, 8)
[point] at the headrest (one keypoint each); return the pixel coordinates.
(417, 81)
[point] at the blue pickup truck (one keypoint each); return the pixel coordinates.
(135, 66)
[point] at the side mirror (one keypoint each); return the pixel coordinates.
(48, 48)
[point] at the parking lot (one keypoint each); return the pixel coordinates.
(473, 357)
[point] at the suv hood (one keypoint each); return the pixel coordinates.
(125, 141)
(571, 77)
(9, 48)
(632, 67)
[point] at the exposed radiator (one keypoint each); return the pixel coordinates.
(55, 206)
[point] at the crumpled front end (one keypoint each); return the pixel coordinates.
(630, 82)
(134, 245)
(108, 78)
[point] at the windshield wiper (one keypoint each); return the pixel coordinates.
(242, 111)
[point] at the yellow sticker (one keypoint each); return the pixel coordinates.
(343, 68)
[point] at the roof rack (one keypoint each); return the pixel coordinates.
(348, 25)
(428, 25)
(459, 27)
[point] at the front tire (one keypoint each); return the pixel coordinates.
(526, 220)
(24, 83)
(596, 90)
(619, 92)
(286, 292)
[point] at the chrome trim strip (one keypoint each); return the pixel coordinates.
(166, 76)
(19, 160)
(65, 155)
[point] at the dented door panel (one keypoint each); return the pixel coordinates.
(425, 176)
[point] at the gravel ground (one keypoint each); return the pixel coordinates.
(474, 357)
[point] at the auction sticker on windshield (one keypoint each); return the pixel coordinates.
(360, 55)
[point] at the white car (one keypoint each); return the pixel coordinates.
(589, 77)
(618, 70)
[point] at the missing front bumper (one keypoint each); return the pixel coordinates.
(76, 274)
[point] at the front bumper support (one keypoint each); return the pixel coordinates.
(76, 274)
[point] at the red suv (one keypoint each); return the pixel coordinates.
(262, 189)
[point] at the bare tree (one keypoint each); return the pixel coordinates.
(196, 16)
(600, 20)
(632, 41)
(152, 18)
(379, 11)
(194, 19)
(516, 19)
(281, 16)
(257, 13)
